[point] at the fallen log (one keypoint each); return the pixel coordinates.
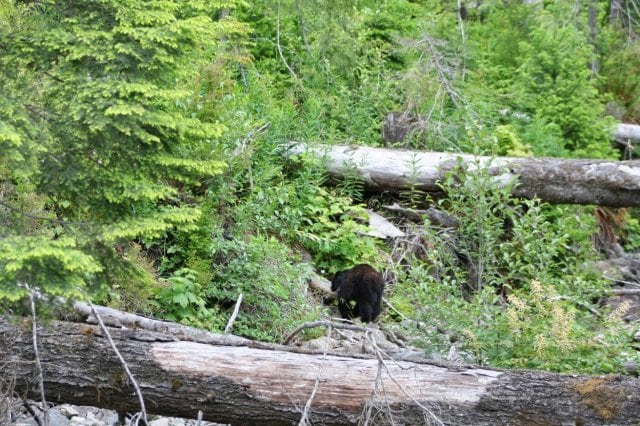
(627, 133)
(271, 386)
(381, 227)
(555, 180)
(397, 125)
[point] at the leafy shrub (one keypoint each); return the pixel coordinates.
(272, 283)
(621, 65)
(184, 300)
(542, 330)
(516, 296)
(131, 280)
(334, 231)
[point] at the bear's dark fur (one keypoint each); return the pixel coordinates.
(362, 284)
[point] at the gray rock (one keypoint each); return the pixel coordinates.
(110, 418)
(321, 343)
(68, 410)
(79, 421)
(57, 418)
(164, 421)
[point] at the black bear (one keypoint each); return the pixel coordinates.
(362, 284)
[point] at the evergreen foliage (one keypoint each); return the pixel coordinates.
(92, 120)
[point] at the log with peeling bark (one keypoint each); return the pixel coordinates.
(241, 384)
(555, 180)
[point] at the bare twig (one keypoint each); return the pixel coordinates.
(304, 421)
(617, 280)
(323, 323)
(367, 417)
(625, 291)
(31, 411)
(236, 309)
(381, 355)
(390, 306)
(284, 61)
(441, 70)
(135, 420)
(34, 334)
(7, 385)
(37, 217)
(391, 336)
(143, 411)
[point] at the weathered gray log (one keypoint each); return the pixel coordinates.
(434, 215)
(245, 385)
(627, 133)
(380, 227)
(397, 125)
(555, 180)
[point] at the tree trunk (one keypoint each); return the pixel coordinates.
(246, 385)
(615, 10)
(593, 35)
(558, 181)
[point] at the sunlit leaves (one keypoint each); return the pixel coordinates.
(152, 225)
(53, 266)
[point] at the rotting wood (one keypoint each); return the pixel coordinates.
(323, 285)
(435, 216)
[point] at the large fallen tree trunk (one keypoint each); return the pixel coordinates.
(627, 133)
(247, 385)
(559, 181)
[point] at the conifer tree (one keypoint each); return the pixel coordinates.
(93, 124)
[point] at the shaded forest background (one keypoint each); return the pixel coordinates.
(142, 166)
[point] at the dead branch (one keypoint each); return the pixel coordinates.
(328, 324)
(236, 309)
(125, 366)
(34, 336)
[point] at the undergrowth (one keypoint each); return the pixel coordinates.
(509, 285)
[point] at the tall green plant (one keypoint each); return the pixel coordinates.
(556, 86)
(621, 66)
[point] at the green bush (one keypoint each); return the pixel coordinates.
(515, 296)
(184, 300)
(554, 83)
(273, 284)
(540, 329)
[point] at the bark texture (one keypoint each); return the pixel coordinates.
(558, 181)
(246, 385)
